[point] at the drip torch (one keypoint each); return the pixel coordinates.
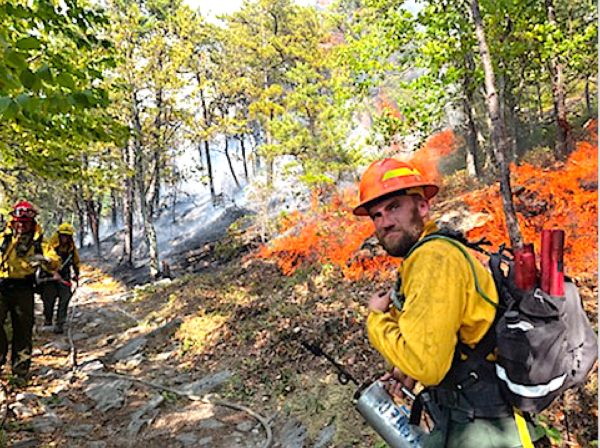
(551, 276)
(378, 408)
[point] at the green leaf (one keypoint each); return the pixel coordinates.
(4, 103)
(11, 111)
(45, 74)
(28, 79)
(29, 43)
(23, 100)
(66, 80)
(14, 59)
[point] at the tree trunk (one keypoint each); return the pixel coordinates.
(244, 161)
(564, 138)
(207, 121)
(513, 128)
(94, 220)
(470, 128)
(539, 102)
(149, 231)
(235, 179)
(114, 208)
(588, 100)
(128, 203)
(471, 140)
(60, 210)
(80, 215)
(211, 182)
(499, 140)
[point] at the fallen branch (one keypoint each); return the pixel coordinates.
(194, 397)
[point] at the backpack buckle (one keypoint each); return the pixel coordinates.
(537, 294)
(469, 381)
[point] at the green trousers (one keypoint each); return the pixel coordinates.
(16, 299)
(50, 292)
(481, 433)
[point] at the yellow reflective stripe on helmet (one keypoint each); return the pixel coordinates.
(523, 431)
(400, 172)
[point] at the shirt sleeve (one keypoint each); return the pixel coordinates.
(420, 340)
(76, 261)
(54, 262)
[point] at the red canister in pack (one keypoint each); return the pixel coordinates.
(545, 260)
(557, 274)
(525, 270)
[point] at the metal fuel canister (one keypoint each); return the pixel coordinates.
(388, 419)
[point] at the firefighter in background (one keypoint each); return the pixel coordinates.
(59, 286)
(22, 249)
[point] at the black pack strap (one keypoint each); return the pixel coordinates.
(7, 237)
(37, 246)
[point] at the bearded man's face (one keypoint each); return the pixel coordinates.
(399, 222)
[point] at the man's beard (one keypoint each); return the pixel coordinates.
(400, 246)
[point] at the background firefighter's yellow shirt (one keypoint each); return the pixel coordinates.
(55, 245)
(20, 267)
(441, 302)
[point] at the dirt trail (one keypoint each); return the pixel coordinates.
(67, 407)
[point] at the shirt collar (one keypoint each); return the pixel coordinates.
(430, 227)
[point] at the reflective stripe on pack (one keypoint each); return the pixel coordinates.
(523, 431)
(537, 391)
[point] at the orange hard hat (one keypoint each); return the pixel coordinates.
(388, 176)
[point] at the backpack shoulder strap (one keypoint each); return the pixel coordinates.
(37, 245)
(459, 246)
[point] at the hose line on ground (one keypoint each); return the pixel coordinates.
(263, 421)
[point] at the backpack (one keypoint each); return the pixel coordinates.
(545, 344)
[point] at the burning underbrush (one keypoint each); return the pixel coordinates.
(564, 195)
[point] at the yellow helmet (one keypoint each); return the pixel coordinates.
(65, 229)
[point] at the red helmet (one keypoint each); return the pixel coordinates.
(23, 211)
(388, 176)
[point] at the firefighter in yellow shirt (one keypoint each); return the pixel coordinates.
(60, 286)
(426, 327)
(22, 249)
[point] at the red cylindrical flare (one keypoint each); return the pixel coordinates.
(545, 267)
(557, 275)
(525, 272)
(528, 247)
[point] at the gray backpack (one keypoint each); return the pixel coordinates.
(545, 343)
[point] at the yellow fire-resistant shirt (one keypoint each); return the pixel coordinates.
(65, 251)
(441, 304)
(16, 262)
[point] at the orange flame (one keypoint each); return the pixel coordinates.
(427, 157)
(565, 196)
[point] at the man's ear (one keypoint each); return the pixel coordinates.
(423, 208)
